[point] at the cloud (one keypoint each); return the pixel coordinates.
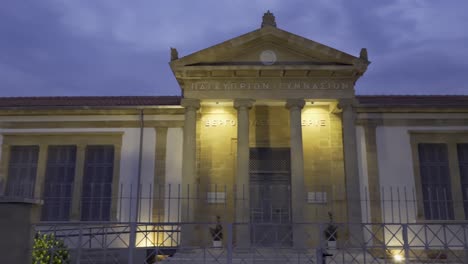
(120, 47)
(151, 25)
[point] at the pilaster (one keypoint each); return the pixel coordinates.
(352, 180)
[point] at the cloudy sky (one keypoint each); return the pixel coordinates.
(121, 47)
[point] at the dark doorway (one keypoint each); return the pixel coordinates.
(270, 192)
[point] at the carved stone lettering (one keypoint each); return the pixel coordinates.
(219, 122)
(270, 85)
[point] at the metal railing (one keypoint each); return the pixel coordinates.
(257, 224)
(160, 242)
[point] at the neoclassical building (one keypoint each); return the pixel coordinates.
(268, 130)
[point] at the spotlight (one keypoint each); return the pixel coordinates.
(398, 258)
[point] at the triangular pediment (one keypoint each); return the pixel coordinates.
(268, 63)
(247, 49)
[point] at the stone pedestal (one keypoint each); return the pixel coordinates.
(297, 170)
(16, 230)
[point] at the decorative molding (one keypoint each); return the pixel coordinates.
(295, 104)
(243, 103)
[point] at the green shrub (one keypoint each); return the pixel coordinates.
(49, 250)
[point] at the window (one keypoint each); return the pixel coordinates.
(462, 150)
(435, 179)
(22, 171)
(97, 183)
(58, 186)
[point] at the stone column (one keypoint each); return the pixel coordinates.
(351, 170)
(189, 171)
(297, 170)
(242, 177)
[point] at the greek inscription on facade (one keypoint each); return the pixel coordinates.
(219, 122)
(263, 122)
(270, 85)
(314, 122)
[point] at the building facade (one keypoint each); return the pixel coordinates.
(268, 130)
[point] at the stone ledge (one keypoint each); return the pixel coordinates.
(24, 200)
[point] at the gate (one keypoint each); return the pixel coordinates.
(270, 193)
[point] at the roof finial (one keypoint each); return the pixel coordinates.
(363, 54)
(174, 54)
(268, 19)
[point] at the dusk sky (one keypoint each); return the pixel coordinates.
(121, 47)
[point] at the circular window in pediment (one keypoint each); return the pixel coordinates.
(268, 57)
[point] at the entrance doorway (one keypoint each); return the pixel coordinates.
(270, 196)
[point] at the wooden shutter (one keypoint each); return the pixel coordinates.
(435, 179)
(22, 170)
(58, 186)
(97, 183)
(463, 164)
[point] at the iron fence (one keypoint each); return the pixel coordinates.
(271, 203)
(105, 242)
(398, 223)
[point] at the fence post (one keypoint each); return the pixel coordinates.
(319, 251)
(405, 242)
(465, 245)
(80, 244)
(132, 242)
(229, 245)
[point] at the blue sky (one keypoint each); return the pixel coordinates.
(121, 47)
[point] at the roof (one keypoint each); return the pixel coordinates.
(442, 101)
(117, 101)
(88, 101)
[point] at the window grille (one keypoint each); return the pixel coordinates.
(22, 171)
(435, 180)
(58, 186)
(97, 183)
(463, 165)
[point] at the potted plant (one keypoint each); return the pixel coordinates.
(330, 232)
(217, 233)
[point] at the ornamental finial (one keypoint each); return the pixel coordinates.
(174, 54)
(268, 19)
(363, 54)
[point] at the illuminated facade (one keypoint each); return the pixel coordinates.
(268, 130)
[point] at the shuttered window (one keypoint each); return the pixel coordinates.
(97, 183)
(463, 164)
(22, 169)
(58, 186)
(435, 179)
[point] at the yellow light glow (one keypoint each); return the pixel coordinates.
(398, 258)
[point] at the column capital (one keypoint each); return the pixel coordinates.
(240, 103)
(190, 103)
(295, 103)
(346, 104)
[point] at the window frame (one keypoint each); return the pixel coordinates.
(27, 194)
(85, 176)
(451, 139)
(465, 163)
(435, 204)
(61, 199)
(80, 140)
